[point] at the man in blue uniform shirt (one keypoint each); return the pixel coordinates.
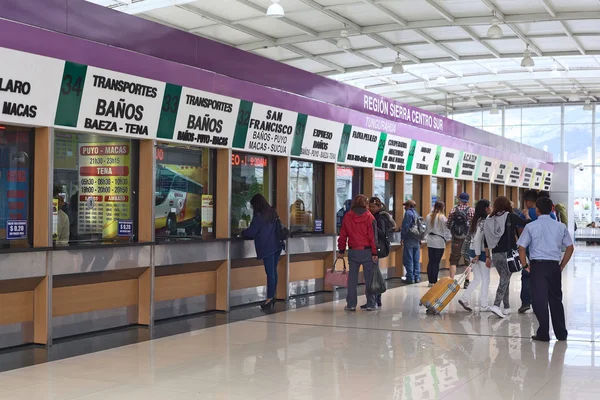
(529, 213)
(545, 239)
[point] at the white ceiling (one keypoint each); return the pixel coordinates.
(433, 38)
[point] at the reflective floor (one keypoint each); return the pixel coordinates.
(322, 352)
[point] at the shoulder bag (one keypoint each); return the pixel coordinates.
(512, 258)
(337, 278)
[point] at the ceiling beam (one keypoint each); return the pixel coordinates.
(549, 8)
(140, 7)
(570, 34)
(551, 90)
(476, 38)
(393, 16)
(332, 14)
(397, 49)
(441, 10)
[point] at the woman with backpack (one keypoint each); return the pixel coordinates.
(481, 268)
(436, 235)
(359, 234)
(385, 225)
(264, 230)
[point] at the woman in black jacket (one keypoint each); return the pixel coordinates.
(385, 224)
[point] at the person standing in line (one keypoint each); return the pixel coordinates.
(436, 240)
(385, 225)
(480, 259)
(412, 245)
(458, 223)
(263, 229)
(545, 240)
(359, 232)
(530, 197)
(500, 230)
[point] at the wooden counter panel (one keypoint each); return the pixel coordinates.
(173, 287)
(304, 270)
(93, 297)
(243, 278)
(16, 307)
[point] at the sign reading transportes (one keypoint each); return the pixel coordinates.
(42, 91)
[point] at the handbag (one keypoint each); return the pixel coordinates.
(377, 285)
(337, 278)
(512, 257)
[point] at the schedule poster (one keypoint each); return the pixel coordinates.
(104, 188)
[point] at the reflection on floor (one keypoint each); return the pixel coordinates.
(321, 352)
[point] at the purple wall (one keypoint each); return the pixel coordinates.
(80, 19)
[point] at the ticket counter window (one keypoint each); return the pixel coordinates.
(306, 196)
(460, 186)
(408, 187)
(478, 192)
(250, 175)
(16, 170)
(184, 193)
(495, 192)
(438, 190)
(349, 184)
(385, 184)
(95, 189)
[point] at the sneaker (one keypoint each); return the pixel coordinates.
(431, 285)
(363, 307)
(506, 311)
(349, 308)
(408, 281)
(524, 308)
(466, 284)
(372, 308)
(496, 310)
(465, 304)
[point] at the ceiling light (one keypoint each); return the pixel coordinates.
(398, 68)
(555, 71)
(527, 61)
(275, 10)
(343, 42)
(587, 106)
(494, 110)
(495, 32)
(574, 98)
(472, 100)
(441, 80)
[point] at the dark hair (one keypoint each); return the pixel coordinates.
(544, 194)
(502, 205)
(480, 212)
(360, 201)
(261, 207)
(530, 195)
(544, 204)
(438, 208)
(377, 201)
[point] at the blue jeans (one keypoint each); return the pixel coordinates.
(412, 262)
(271, 271)
(525, 288)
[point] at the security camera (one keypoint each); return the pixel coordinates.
(580, 167)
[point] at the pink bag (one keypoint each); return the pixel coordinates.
(337, 278)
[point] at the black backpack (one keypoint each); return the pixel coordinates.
(459, 226)
(383, 237)
(283, 233)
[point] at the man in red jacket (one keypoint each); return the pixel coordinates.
(358, 232)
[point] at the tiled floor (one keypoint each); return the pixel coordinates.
(321, 352)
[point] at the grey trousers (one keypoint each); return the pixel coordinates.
(356, 258)
(503, 292)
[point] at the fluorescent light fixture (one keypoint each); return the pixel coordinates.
(343, 42)
(495, 32)
(275, 10)
(494, 110)
(573, 97)
(587, 106)
(398, 68)
(441, 80)
(527, 61)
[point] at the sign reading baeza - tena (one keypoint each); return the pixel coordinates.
(392, 152)
(515, 175)
(108, 102)
(500, 176)
(270, 130)
(467, 166)
(317, 139)
(423, 159)
(361, 148)
(446, 162)
(204, 118)
(29, 86)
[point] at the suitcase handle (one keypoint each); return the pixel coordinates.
(335, 262)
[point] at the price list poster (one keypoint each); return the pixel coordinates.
(104, 187)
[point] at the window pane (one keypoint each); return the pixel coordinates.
(348, 185)
(250, 175)
(512, 116)
(16, 171)
(472, 118)
(583, 196)
(541, 116)
(496, 130)
(578, 143)
(306, 195)
(408, 187)
(577, 115)
(490, 119)
(438, 192)
(513, 133)
(385, 183)
(544, 137)
(184, 195)
(95, 186)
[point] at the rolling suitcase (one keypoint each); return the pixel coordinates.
(442, 293)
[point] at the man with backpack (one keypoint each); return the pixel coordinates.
(412, 225)
(458, 223)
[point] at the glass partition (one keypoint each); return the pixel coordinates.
(306, 196)
(385, 185)
(438, 190)
(349, 184)
(408, 187)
